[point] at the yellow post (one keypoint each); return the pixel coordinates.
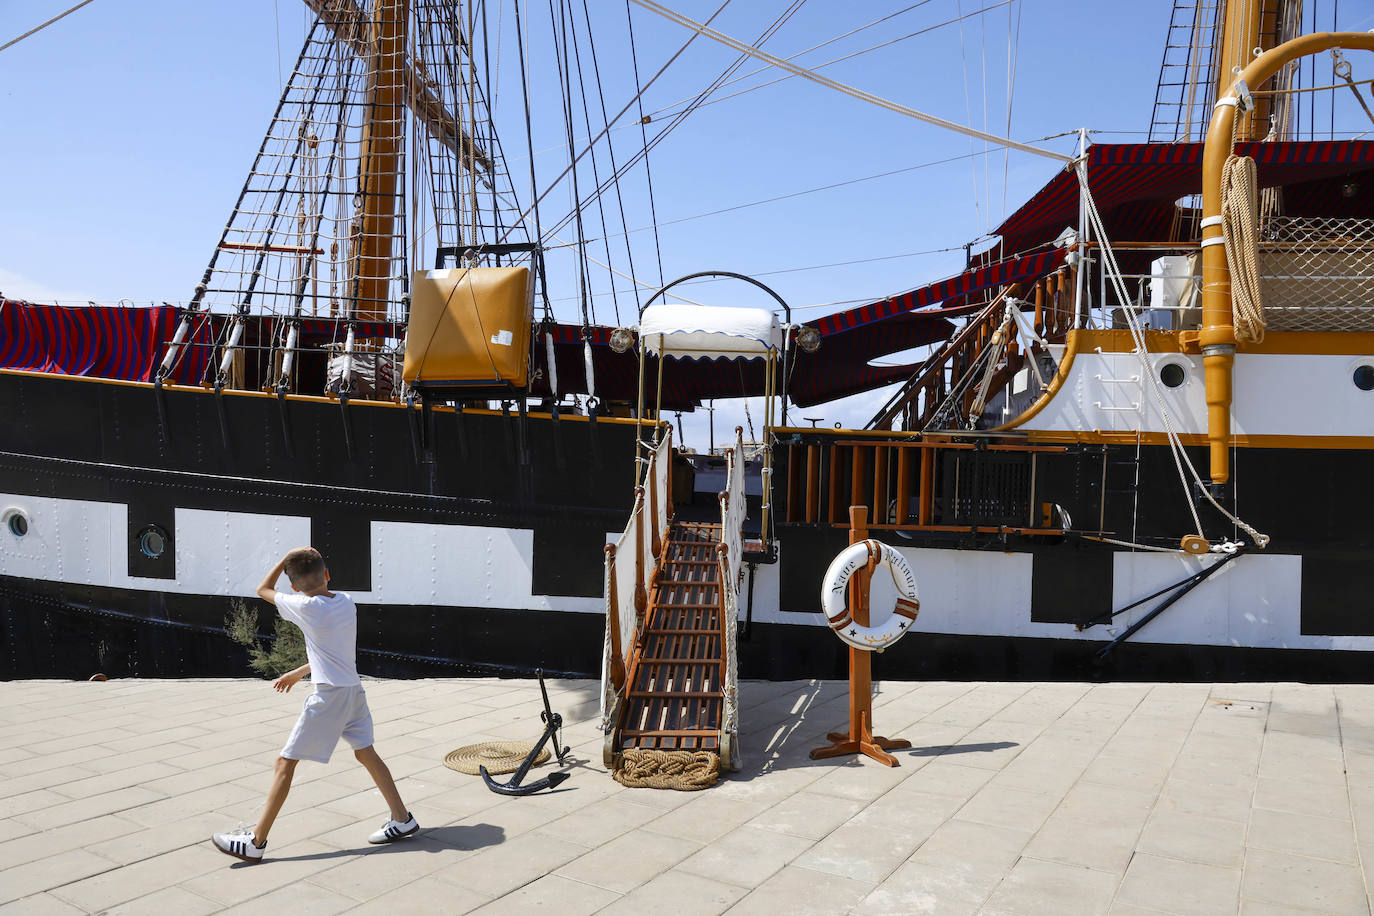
(1218, 337)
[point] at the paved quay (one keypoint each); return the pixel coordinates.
(1016, 798)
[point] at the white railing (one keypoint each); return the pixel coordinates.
(631, 565)
(732, 511)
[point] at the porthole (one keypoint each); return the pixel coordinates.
(1172, 375)
(152, 542)
(1364, 378)
(16, 522)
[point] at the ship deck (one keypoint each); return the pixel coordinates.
(1016, 798)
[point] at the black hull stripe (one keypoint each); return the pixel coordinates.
(47, 630)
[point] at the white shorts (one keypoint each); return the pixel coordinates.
(330, 713)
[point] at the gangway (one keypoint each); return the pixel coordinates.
(670, 681)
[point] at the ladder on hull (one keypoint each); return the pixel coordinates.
(675, 688)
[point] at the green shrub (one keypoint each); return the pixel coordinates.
(269, 656)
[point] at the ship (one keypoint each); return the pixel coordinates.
(1133, 446)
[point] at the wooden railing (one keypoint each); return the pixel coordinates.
(949, 368)
(914, 482)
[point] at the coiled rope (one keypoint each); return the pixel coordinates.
(1240, 229)
(685, 771)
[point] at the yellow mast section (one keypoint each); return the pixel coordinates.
(1248, 28)
(382, 138)
(1218, 337)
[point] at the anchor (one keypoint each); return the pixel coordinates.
(553, 722)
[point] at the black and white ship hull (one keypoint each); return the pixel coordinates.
(477, 547)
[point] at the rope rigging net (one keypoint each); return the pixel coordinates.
(380, 155)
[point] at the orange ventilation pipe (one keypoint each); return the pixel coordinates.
(1218, 336)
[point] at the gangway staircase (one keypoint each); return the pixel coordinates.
(676, 687)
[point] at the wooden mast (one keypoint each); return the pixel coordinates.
(1247, 26)
(382, 138)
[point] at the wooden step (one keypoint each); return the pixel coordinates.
(675, 697)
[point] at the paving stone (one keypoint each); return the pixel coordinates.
(1296, 881)
(1259, 908)
(169, 900)
(425, 896)
(957, 841)
(380, 869)
(130, 846)
(551, 892)
(1134, 773)
(50, 872)
(705, 816)
(39, 905)
(1180, 887)
(1314, 837)
(802, 892)
(1091, 801)
(129, 882)
(1014, 808)
(302, 899)
(84, 809)
(17, 805)
(949, 778)
(1050, 888)
(498, 870)
(595, 825)
(1187, 797)
(1194, 838)
(808, 814)
(9, 829)
(677, 893)
(745, 857)
(629, 860)
(1106, 846)
(870, 847)
(1303, 797)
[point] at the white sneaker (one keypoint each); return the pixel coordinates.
(395, 830)
(241, 844)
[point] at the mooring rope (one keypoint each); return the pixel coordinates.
(1240, 229)
(685, 771)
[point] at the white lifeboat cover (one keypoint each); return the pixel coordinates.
(709, 331)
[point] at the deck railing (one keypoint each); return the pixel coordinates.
(731, 551)
(632, 564)
(914, 482)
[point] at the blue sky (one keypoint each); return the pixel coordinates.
(131, 126)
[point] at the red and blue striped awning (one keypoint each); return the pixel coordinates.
(96, 341)
(1125, 177)
(1011, 270)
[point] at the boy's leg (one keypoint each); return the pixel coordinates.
(381, 775)
(281, 784)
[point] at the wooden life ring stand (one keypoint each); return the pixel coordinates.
(837, 576)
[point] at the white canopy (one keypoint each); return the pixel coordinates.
(709, 331)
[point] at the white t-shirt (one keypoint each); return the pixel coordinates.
(330, 626)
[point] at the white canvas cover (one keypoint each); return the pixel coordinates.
(709, 331)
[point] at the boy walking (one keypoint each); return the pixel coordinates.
(337, 709)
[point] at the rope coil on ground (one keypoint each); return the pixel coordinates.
(685, 771)
(497, 756)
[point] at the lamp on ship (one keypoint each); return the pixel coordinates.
(622, 339)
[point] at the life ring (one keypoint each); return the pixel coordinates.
(836, 607)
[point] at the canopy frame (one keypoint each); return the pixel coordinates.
(770, 374)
